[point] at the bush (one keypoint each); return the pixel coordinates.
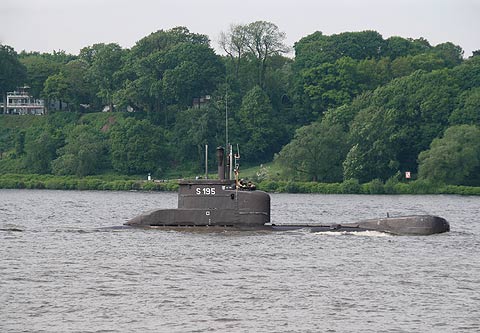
(292, 187)
(401, 188)
(461, 190)
(423, 186)
(268, 186)
(32, 184)
(374, 187)
(55, 184)
(350, 186)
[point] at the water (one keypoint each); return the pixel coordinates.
(61, 272)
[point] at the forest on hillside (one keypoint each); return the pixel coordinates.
(347, 106)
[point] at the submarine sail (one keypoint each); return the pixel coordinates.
(212, 202)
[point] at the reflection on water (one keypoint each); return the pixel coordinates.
(64, 269)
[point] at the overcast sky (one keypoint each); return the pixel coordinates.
(69, 25)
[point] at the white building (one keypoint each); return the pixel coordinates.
(20, 102)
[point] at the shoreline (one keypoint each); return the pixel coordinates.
(51, 182)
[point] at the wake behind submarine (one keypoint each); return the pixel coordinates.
(229, 203)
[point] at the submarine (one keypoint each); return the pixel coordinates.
(229, 203)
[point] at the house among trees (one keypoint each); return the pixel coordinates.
(199, 102)
(21, 102)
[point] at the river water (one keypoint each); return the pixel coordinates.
(60, 271)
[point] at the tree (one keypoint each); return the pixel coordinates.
(12, 72)
(317, 48)
(85, 153)
(56, 88)
(105, 60)
(357, 45)
(468, 109)
(162, 40)
(79, 91)
(331, 70)
(468, 74)
(234, 43)
(263, 41)
(451, 54)
(40, 149)
(398, 122)
(372, 154)
(257, 127)
(70, 85)
(316, 153)
(168, 68)
(138, 147)
(372, 73)
(454, 158)
(331, 84)
(191, 71)
(194, 128)
(396, 47)
(39, 68)
(259, 40)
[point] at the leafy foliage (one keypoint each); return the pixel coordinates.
(454, 158)
(316, 152)
(137, 147)
(256, 126)
(350, 107)
(85, 153)
(195, 128)
(12, 72)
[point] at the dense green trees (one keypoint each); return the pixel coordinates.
(105, 61)
(350, 106)
(85, 153)
(138, 147)
(40, 149)
(12, 72)
(195, 128)
(453, 158)
(259, 41)
(256, 126)
(168, 69)
(389, 127)
(467, 110)
(332, 70)
(316, 153)
(401, 119)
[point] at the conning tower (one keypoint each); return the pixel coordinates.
(212, 202)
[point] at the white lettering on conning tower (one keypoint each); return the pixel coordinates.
(205, 191)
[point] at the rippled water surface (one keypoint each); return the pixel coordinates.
(62, 271)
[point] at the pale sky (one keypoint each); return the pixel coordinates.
(69, 25)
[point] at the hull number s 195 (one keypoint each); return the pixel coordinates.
(205, 191)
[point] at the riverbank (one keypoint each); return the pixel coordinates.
(51, 182)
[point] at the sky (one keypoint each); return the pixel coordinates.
(69, 25)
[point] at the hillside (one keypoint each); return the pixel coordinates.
(348, 106)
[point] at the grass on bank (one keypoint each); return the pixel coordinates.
(119, 183)
(102, 183)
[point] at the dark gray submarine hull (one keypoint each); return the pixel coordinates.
(181, 219)
(200, 218)
(412, 225)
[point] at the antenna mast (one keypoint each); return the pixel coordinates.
(226, 115)
(227, 144)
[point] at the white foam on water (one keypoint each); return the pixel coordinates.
(366, 233)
